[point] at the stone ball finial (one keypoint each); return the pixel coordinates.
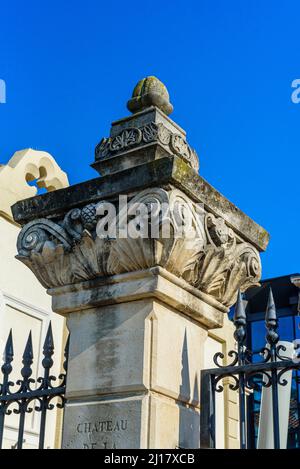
(148, 92)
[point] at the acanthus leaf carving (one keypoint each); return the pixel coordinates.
(207, 253)
(125, 139)
(227, 263)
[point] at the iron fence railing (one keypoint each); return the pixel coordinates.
(27, 394)
(242, 375)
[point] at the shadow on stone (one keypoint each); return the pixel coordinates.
(189, 420)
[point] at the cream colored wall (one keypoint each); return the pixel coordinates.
(25, 306)
(15, 278)
(24, 303)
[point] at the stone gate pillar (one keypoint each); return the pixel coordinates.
(138, 307)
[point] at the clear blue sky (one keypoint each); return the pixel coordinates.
(70, 67)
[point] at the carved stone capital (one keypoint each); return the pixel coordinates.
(208, 255)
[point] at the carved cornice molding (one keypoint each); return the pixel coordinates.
(210, 257)
(138, 137)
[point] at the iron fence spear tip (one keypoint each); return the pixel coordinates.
(49, 343)
(9, 348)
(28, 352)
(239, 310)
(271, 308)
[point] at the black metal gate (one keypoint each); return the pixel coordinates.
(28, 394)
(245, 374)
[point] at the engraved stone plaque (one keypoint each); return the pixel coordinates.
(110, 424)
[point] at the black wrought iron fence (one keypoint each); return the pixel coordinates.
(243, 375)
(27, 394)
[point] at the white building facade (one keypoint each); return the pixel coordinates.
(24, 303)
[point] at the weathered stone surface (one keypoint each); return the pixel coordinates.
(123, 348)
(162, 173)
(145, 136)
(152, 283)
(130, 423)
(139, 308)
(109, 346)
(141, 364)
(148, 92)
(183, 427)
(209, 257)
(144, 118)
(138, 139)
(110, 424)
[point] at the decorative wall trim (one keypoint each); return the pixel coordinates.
(25, 307)
(26, 166)
(136, 137)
